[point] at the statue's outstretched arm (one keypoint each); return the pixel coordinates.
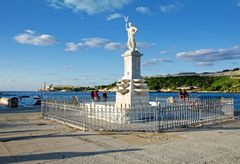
(126, 20)
(135, 29)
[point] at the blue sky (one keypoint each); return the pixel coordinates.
(80, 42)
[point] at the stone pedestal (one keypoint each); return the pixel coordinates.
(132, 90)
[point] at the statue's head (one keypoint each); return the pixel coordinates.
(130, 24)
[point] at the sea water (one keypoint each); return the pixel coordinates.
(154, 96)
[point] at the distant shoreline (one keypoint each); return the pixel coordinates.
(151, 91)
(192, 92)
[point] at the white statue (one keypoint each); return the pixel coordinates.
(131, 32)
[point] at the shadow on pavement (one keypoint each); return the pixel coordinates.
(57, 155)
(224, 126)
(20, 109)
(18, 131)
(52, 135)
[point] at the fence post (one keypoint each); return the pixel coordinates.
(42, 108)
(232, 106)
(64, 111)
(139, 117)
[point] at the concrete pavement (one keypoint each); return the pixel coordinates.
(26, 138)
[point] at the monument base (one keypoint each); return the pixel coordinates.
(112, 112)
(132, 90)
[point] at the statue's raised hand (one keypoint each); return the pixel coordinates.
(126, 19)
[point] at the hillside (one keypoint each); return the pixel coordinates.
(72, 88)
(224, 81)
(205, 83)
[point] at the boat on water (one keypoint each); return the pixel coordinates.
(30, 100)
(38, 100)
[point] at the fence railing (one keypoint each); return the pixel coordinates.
(108, 117)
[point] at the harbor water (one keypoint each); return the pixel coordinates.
(86, 96)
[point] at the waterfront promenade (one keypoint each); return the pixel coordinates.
(26, 138)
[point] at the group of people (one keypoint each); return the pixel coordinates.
(183, 95)
(96, 98)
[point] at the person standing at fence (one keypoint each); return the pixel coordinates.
(75, 100)
(181, 97)
(92, 95)
(185, 94)
(95, 95)
(104, 95)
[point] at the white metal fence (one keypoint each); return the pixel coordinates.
(108, 117)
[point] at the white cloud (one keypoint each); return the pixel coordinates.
(143, 10)
(144, 45)
(56, 4)
(29, 37)
(115, 46)
(114, 16)
(67, 67)
(30, 31)
(163, 52)
(170, 7)
(72, 47)
(201, 64)
(238, 3)
(155, 61)
(90, 6)
(207, 57)
(94, 42)
(97, 42)
(86, 43)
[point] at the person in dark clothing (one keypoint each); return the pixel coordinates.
(185, 94)
(181, 97)
(104, 95)
(92, 95)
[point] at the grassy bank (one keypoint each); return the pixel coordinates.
(211, 83)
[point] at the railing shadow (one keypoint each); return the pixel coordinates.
(58, 155)
(52, 135)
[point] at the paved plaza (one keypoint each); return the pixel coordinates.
(26, 138)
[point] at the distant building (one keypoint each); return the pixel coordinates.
(47, 88)
(186, 74)
(230, 73)
(188, 87)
